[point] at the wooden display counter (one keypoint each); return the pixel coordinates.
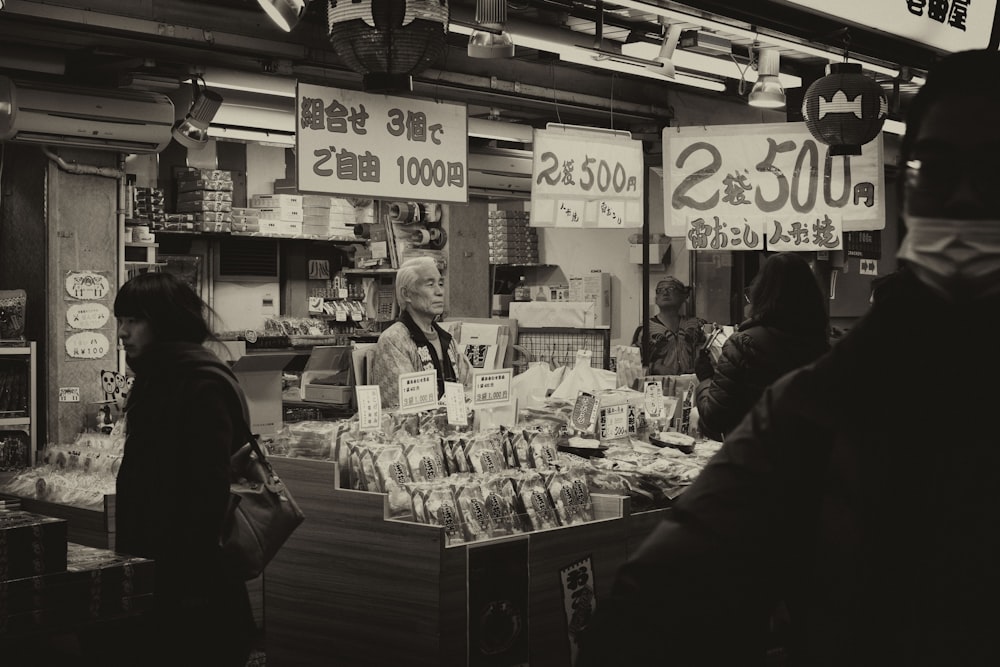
(354, 587)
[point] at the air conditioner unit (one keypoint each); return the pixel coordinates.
(116, 120)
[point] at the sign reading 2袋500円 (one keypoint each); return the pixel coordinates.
(731, 187)
(354, 143)
(586, 177)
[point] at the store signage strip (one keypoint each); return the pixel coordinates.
(947, 25)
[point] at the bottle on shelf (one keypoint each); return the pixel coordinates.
(521, 291)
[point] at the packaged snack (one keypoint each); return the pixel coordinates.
(426, 460)
(441, 509)
(474, 514)
(485, 453)
(501, 504)
(535, 501)
(542, 451)
(571, 496)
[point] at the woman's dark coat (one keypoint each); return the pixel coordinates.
(751, 359)
(183, 422)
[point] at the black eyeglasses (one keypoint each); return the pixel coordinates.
(669, 290)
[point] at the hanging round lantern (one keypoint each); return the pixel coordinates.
(388, 40)
(845, 109)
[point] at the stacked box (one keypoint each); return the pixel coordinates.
(278, 213)
(245, 220)
(148, 204)
(31, 544)
(94, 585)
(183, 222)
(206, 195)
(511, 239)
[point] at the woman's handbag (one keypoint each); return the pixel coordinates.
(261, 515)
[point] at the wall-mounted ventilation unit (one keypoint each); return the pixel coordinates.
(246, 260)
(126, 121)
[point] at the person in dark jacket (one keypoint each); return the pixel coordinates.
(857, 489)
(183, 422)
(787, 328)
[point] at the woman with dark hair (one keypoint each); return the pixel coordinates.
(787, 327)
(184, 418)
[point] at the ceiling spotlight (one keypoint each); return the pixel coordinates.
(192, 130)
(284, 13)
(767, 92)
(662, 63)
(492, 41)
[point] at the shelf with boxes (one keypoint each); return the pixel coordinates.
(18, 404)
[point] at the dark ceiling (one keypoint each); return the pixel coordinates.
(106, 42)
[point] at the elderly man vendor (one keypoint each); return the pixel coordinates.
(415, 342)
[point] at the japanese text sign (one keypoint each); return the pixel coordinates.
(369, 407)
(418, 391)
(490, 388)
(949, 25)
(583, 177)
(730, 187)
(354, 143)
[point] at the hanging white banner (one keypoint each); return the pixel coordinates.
(726, 187)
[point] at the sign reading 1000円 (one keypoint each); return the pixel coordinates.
(354, 143)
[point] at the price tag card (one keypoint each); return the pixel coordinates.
(670, 406)
(613, 422)
(491, 388)
(418, 391)
(653, 390)
(369, 407)
(584, 412)
(454, 401)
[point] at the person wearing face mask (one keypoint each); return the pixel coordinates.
(856, 492)
(674, 339)
(416, 342)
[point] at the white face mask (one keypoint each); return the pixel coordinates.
(960, 258)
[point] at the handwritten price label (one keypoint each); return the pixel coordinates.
(653, 391)
(613, 422)
(491, 388)
(418, 391)
(369, 407)
(454, 401)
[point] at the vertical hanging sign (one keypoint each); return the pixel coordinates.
(586, 177)
(353, 143)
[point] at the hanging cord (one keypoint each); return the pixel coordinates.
(612, 108)
(552, 71)
(743, 70)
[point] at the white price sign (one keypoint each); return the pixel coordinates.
(491, 388)
(582, 177)
(730, 187)
(364, 144)
(369, 407)
(418, 391)
(454, 401)
(613, 422)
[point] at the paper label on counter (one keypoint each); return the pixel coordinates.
(491, 388)
(454, 401)
(418, 391)
(369, 407)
